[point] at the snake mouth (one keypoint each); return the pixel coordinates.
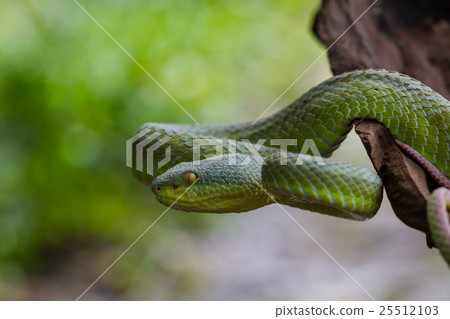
(189, 204)
(182, 198)
(168, 194)
(207, 203)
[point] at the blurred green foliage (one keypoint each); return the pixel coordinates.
(70, 97)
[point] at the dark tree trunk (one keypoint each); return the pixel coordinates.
(408, 36)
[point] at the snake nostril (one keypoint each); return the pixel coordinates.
(174, 187)
(158, 188)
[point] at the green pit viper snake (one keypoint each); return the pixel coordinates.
(415, 115)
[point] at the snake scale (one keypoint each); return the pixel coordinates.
(415, 115)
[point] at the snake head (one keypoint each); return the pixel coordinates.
(212, 185)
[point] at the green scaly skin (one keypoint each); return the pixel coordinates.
(413, 113)
(337, 189)
(438, 206)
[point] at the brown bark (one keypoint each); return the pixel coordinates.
(408, 36)
(407, 184)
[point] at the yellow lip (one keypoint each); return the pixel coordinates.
(165, 191)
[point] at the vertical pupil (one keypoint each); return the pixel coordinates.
(189, 178)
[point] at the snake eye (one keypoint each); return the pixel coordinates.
(189, 178)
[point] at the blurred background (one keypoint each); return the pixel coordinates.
(69, 99)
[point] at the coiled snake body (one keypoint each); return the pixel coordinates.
(414, 114)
